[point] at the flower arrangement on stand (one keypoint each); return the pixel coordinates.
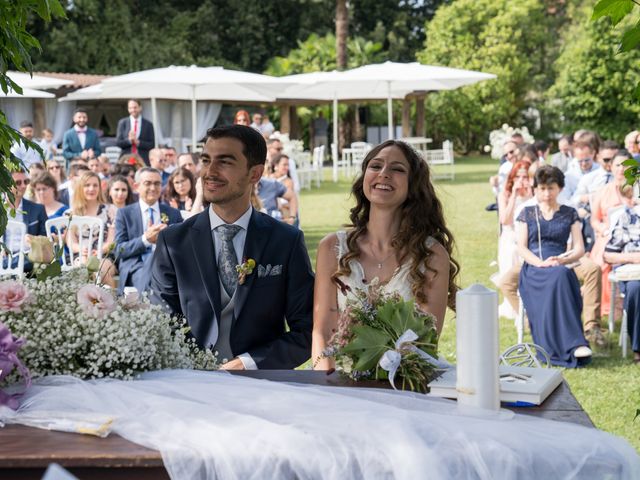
(68, 325)
(498, 137)
(381, 336)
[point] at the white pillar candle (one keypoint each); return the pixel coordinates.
(477, 378)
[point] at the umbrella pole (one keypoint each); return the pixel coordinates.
(390, 111)
(154, 118)
(193, 121)
(334, 149)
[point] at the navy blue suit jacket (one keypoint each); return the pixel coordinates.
(71, 146)
(185, 278)
(129, 245)
(34, 217)
(146, 139)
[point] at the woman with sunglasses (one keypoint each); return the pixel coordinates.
(56, 171)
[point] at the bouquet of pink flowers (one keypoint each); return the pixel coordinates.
(381, 336)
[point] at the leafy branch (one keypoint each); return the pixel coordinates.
(15, 47)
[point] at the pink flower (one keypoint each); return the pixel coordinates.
(13, 296)
(96, 301)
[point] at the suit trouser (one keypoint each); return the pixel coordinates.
(588, 272)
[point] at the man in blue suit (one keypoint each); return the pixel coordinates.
(135, 134)
(137, 229)
(80, 140)
(238, 276)
(31, 214)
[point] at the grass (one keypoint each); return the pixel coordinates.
(608, 389)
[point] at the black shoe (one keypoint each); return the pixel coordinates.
(492, 207)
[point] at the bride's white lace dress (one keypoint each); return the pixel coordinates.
(215, 425)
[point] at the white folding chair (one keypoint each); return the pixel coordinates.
(86, 229)
(15, 231)
(113, 153)
(318, 160)
(56, 230)
(623, 341)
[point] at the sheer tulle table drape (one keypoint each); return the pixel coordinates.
(214, 425)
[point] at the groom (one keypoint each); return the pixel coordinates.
(241, 316)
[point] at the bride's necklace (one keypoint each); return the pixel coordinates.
(380, 263)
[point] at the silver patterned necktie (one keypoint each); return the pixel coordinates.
(227, 259)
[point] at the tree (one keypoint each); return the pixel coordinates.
(497, 36)
(595, 86)
(16, 45)
(142, 34)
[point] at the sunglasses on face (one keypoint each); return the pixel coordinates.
(22, 182)
(607, 160)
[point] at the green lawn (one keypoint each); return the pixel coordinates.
(608, 389)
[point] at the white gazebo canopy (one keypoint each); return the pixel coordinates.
(26, 93)
(191, 83)
(37, 81)
(388, 80)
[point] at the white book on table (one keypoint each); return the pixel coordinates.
(517, 384)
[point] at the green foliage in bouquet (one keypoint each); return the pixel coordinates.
(375, 323)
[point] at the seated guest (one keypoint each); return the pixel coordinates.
(46, 194)
(157, 161)
(170, 159)
(132, 159)
(180, 191)
(270, 191)
(562, 158)
(613, 195)
(188, 161)
(624, 248)
(511, 154)
(281, 174)
(105, 167)
(589, 184)
(76, 169)
(631, 143)
(275, 147)
(549, 290)
(31, 214)
(57, 171)
(137, 229)
(516, 192)
(47, 144)
(29, 156)
(542, 150)
(242, 118)
(119, 192)
(89, 202)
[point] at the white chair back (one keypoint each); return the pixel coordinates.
(113, 153)
(56, 230)
(361, 145)
(14, 230)
(86, 229)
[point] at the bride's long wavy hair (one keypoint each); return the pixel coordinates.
(421, 217)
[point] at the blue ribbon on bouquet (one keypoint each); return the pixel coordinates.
(390, 360)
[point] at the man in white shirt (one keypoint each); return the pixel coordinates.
(593, 181)
(511, 151)
(274, 147)
(137, 229)
(29, 156)
(562, 159)
(584, 157)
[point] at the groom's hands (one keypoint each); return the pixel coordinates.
(233, 364)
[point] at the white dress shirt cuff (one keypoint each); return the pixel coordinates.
(146, 242)
(247, 361)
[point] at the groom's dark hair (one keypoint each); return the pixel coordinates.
(254, 146)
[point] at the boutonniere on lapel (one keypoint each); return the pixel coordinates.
(244, 269)
(164, 218)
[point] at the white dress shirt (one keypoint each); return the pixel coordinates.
(589, 184)
(139, 126)
(82, 135)
(572, 178)
(144, 209)
(238, 246)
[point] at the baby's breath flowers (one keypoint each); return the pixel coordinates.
(73, 328)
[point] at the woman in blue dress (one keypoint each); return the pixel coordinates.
(549, 288)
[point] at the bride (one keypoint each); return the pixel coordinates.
(397, 235)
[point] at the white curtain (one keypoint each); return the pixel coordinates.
(17, 110)
(58, 116)
(174, 120)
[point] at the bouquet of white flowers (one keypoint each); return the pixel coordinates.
(73, 327)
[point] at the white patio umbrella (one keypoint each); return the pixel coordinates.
(26, 93)
(386, 80)
(37, 81)
(193, 83)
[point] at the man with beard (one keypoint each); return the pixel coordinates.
(234, 273)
